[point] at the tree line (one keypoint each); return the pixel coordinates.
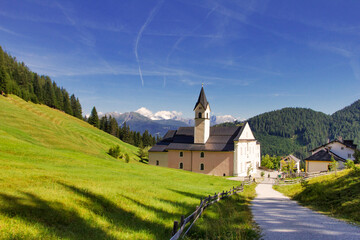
(109, 124)
(17, 79)
(298, 130)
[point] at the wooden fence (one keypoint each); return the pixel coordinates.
(307, 176)
(179, 229)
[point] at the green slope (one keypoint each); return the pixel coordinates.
(338, 196)
(298, 130)
(57, 181)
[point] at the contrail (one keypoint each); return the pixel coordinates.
(177, 43)
(147, 22)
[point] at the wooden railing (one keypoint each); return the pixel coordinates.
(304, 178)
(179, 228)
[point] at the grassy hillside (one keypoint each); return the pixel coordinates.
(338, 196)
(57, 181)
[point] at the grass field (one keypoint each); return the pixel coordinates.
(338, 196)
(56, 181)
(229, 219)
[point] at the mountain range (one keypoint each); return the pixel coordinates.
(160, 122)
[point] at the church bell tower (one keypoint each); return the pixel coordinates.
(202, 119)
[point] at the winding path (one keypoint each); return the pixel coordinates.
(282, 218)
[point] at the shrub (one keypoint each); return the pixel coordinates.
(262, 174)
(350, 164)
(115, 151)
(127, 158)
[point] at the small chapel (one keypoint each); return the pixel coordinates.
(219, 151)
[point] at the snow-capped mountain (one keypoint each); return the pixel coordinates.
(174, 115)
(160, 122)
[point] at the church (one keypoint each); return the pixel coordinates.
(219, 151)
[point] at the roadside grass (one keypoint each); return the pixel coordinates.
(230, 218)
(338, 196)
(58, 182)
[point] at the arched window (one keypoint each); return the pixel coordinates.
(181, 165)
(202, 166)
(157, 162)
(181, 154)
(202, 154)
(207, 115)
(200, 115)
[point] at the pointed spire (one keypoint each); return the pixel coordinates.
(202, 99)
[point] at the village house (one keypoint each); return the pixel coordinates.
(291, 158)
(340, 150)
(220, 151)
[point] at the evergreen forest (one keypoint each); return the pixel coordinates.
(17, 79)
(298, 130)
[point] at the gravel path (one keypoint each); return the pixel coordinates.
(282, 218)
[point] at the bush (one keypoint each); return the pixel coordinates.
(127, 158)
(350, 164)
(262, 174)
(115, 151)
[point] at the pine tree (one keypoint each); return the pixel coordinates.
(78, 113)
(37, 88)
(113, 127)
(49, 94)
(94, 118)
(4, 80)
(66, 101)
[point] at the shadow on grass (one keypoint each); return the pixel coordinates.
(118, 216)
(229, 218)
(63, 222)
(188, 194)
(158, 211)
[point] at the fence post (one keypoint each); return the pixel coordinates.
(182, 220)
(176, 223)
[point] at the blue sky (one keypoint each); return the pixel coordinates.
(252, 56)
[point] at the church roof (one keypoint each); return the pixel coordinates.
(202, 99)
(220, 139)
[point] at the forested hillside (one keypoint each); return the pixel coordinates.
(16, 78)
(298, 130)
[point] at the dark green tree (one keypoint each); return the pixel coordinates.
(94, 118)
(4, 80)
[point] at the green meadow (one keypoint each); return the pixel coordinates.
(335, 195)
(58, 182)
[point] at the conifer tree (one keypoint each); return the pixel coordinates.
(66, 101)
(49, 94)
(4, 80)
(37, 88)
(94, 118)
(78, 113)
(113, 126)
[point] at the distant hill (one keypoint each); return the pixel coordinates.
(298, 130)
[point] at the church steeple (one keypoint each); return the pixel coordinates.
(202, 119)
(202, 99)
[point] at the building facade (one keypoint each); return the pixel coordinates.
(220, 151)
(340, 150)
